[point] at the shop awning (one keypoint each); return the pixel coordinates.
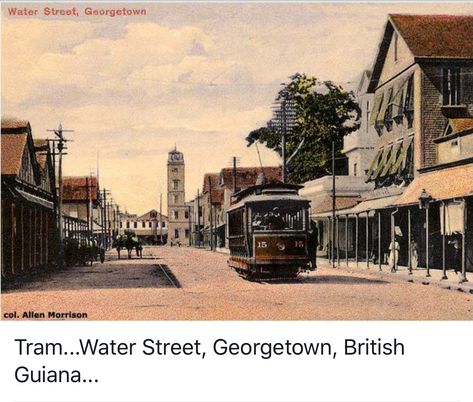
(369, 206)
(373, 205)
(35, 199)
(326, 204)
(444, 184)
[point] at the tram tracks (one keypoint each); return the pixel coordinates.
(170, 277)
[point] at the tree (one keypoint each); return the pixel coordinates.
(319, 113)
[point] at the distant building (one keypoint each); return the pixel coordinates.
(29, 226)
(149, 228)
(179, 214)
(82, 200)
(359, 146)
(215, 199)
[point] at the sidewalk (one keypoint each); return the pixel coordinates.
(402, 274)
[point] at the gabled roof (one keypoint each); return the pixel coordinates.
(12, 125)
(13, 148)
(247, 176)
(436, 36)
(427, 37)
(75, 188)
(214, 182)
(461, 125)
(41, 147)
(147, 216)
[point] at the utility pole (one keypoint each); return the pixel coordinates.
(210, 217)
(198, 217)
(284, 117)
(104, 219)
(190, 224)
(333, 205)
(235, 162)
(283, 140)
(161, 218)
(59, 132)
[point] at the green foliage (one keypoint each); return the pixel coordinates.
(324, 112)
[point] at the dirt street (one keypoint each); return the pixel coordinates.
(139, 289)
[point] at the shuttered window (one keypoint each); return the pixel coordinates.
(451, 86)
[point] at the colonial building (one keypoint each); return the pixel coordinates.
(29, 224)
(422, 172)
(81, 200)
(179, 213)
(149, 228)
(359, 146)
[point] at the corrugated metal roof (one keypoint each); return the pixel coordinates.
(365, 206)
(325, 204)
(267, 198)
(442, 184)
(75, 188)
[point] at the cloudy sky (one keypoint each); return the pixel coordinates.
(200, 76)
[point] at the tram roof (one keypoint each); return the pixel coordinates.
(270, 186)
(268, 197)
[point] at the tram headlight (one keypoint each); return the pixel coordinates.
(281, 246)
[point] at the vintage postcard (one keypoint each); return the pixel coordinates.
(232, 161)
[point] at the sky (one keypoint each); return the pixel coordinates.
(196, 76)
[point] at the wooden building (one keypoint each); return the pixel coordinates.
(29, 230)
(422, 171)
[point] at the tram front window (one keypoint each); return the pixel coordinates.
(277, 218)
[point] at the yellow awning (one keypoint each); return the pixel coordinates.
(384, 106)
(378, 100)
(392, 159)
(382, 162)
(374, 162)
(402, 158)
(398, 99)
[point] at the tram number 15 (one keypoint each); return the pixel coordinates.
(299, 244)
(262, 244)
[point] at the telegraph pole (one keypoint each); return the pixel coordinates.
(161, 218)
(59, 132)
(235, 162)
(333, 205)
(104, 217)
(283, 140)
(210, 217)
(198, 217)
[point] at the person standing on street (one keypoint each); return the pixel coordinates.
(312, 244)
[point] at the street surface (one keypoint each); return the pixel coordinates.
(145, 289)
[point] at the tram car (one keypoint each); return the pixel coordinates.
(267, 231)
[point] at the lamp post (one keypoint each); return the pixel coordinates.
(424, 203)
